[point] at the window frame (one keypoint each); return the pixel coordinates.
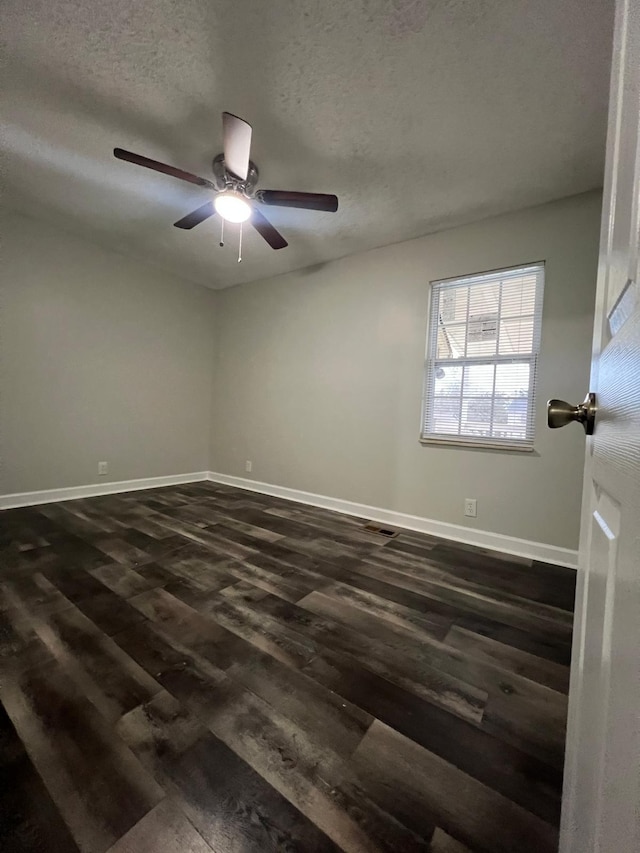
(431, 362)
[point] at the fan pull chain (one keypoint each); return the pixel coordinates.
(221, 231)
(240, 246)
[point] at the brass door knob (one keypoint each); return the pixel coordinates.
(560, 414)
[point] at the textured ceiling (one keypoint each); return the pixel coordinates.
(419, 114)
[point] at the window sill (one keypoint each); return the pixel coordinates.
(477, 445)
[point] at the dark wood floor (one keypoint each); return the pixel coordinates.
(200, 668)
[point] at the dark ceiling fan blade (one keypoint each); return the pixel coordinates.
(196, 216)
(265, 229)
(307, 201)
(139, 160)
(236, 134)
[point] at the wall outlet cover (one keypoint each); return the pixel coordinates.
(103, 468)
(248, 466)
(471, 507)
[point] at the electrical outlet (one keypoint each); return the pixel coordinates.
(248, 466)
(471, 507)
(103, 468)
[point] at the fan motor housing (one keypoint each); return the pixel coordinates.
(226, 180)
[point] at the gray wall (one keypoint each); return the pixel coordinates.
(101, 358)
(316, 375)
(320, 377)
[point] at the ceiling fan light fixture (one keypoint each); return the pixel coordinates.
(232, 206)
(234, 195)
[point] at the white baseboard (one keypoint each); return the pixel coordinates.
(95, 489)
(455, 532)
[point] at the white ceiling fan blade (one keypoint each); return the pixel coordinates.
(237, 144)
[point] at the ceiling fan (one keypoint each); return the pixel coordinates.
(234, 183)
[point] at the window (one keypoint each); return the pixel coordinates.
(482, 351)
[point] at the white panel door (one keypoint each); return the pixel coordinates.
(601, 798)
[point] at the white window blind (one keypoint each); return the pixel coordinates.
(482, 352)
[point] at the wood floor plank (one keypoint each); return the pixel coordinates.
(123, 581)
(537, 724)
(228, 524)
(303, 532)
(29, 819)
(116, 546)
(199, 566)
(109, 677)
(97, 784)
(153, 546)
(494, 609)
(390, 835)
(287, 585)
(172, 525)
(192, 515)
(290, 556)
(505, 768)
(193, 592)
(162, 733)
(415, 661)
(442, 579)
(295, 765)
(38, 594)
(364, 576)
(309, 704)
(523, 713)
(421, 786)
(545, 647)
(74, 522)
(15, 562)
(549, 584)
(234, 807)
(466, 563)
(20, 646)
(350, 529)
(243, 591)
(289, 509)
(155, 574)
(223, 545)
(397, 615)
(443, 843)
(146, 524)
(74, 550)
(470, 670)
(529, 666)
(98, 513)
(325, 548)
(391, 655)
(295, 567)
(104, 607)
(182, 623)
(109, 612)
(164, 829)
(266, 634)
(24, 529)
(75, 582)
(159, 732)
